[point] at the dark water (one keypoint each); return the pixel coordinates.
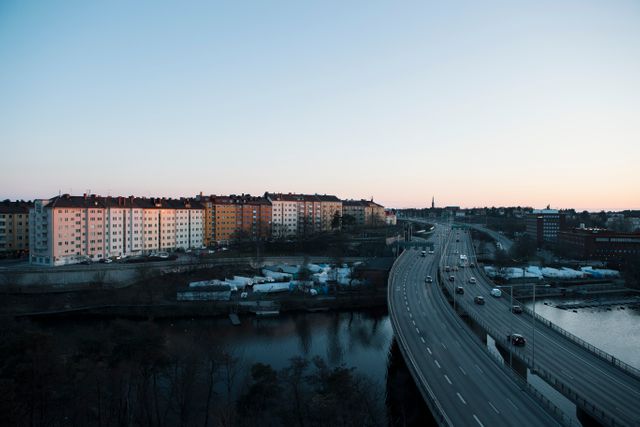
(614, 329)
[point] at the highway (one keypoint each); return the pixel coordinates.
(597, 386)
(462, 383)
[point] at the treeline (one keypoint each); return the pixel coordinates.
(135, 374)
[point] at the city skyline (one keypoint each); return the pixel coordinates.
(498, 104)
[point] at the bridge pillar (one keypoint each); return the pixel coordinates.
(404, 402)
(517, 365)
(585, 419)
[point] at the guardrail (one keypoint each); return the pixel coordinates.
(625, 367)
(427, 394)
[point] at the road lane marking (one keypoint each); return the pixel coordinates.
(418, 331)
(429, 350)
(462, 370)
(512, 404)
(423, 341)
(414, 322)
(447, 378)
(494, 408)
(480, 370)
(410, 315)
(437, 364)
(477, 420)
(461, 399)
(444, 346)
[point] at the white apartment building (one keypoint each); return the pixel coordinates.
(68, 229)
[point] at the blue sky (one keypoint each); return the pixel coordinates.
(477, 103)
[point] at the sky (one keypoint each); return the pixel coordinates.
(492, 103)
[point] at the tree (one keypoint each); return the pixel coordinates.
(336, 221)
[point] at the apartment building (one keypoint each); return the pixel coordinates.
(236, 216)
(66, 229)
(284, 214)
(298, 215)
(365, 213)
(330, 207)
(14, 227)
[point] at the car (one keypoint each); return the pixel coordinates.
(423, 253)
(447, 268)
(428, 279)
(479, 300)
(516, 309)
(457, 240)
(472, 280)
(495, 292)
(431, 252)
(455, 268)
(516, 339)
(472, 265)
(452, 278)
(460, 290)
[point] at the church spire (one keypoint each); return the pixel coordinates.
(433, 202)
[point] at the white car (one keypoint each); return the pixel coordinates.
(428, 279)
(495, 292)
(472, 280)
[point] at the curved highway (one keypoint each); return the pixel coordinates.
(460, 380)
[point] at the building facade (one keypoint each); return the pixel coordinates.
(300, 215)
(543, 225)
(366, 213)
(600, 244)
(67, 229)
(14, 227)
(236, 216)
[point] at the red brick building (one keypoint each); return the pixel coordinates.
(600, 244)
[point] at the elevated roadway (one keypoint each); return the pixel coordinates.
(461, 381)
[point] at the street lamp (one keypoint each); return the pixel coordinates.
(533, 318)
(510, 323)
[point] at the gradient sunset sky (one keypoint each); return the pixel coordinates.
(477, 103)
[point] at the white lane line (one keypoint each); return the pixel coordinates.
(414, 322)
(444, 346)
(462, 370)
(410, 315)
(447, 378)
(437, 364)
(423, 341)
(477, 420)
(429, 350)
(479, 370)
(418, 331)
(494, 408)
(512, 404)
(461, 399)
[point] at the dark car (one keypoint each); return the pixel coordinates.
(516, 339)
(479, 300)
(516, 309)
(459, 290)
(452, 278)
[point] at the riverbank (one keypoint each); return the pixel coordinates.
(346, 300)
